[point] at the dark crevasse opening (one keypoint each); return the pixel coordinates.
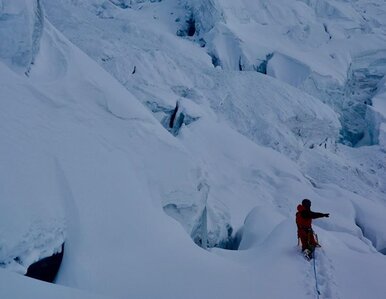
(262, 67)
(327, 31)
(241, 65)
(121, 3)
(189, 27)
(176, 119)
(191, 22)
(215, 60)
(208, 224)
(361, 88)
(371, 236)
(47, 268)
(172, 119)
(205, 229)
(233, 242)
(206, 239)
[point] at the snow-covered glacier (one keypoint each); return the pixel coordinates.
(135, 132)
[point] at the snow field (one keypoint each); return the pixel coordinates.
(80, 144)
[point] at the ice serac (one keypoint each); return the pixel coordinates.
(378, 113)
(20, 48)
(287, 69)
(365, 78)
(121, 3)
(227, 49)
(206, 220)
(269, 113)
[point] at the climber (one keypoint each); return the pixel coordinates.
(304, 218)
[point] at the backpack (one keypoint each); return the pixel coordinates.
(302, 223)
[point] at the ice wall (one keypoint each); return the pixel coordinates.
(21, 25)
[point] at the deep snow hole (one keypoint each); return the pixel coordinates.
(189, 27)
(47, 268)
(206, 228)
(208, 223)
(172, 119)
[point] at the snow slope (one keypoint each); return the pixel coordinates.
(19, 287)
(94, 155)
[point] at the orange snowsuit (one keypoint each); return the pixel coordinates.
(304, 218)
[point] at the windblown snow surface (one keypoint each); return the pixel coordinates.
(136, 130)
